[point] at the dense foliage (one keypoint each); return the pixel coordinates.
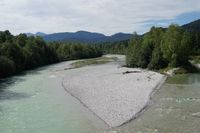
(160, 48)
(74, 50)
(18, 53)
(194, 29)
(119, 47)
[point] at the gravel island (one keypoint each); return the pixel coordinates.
(113, 93)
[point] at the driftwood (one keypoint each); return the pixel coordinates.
(127, 72)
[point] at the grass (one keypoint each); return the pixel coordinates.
(94, 61)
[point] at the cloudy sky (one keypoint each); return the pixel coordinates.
(105, 16)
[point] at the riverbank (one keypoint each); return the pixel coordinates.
(113, 93)
(36, 102)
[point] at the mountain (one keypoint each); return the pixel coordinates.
(82, 36)
(40, 34)
(36, 34)
(119, 37)
(193, 26)
(29, 34)
(85, 36)
(92, 37)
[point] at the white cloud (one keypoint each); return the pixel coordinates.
(106, 16)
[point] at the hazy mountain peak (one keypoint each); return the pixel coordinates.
(40, 34)
(85, 36)
(36, 34)
(193, 26)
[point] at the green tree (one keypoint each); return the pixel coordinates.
(21, 40)
(13, 52)
(5, 36)
(176, 46)
(133, 51)
(157, 60)
(7, 67)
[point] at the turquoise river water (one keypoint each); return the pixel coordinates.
(35, 102)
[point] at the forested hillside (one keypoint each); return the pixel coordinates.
(18, 53)
(193, 26)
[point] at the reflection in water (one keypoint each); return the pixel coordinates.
(1, 110)
(185, 79)
(9, 95)
(6, 94)
(5, 83)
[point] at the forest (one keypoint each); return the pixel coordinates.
(161, 48)
(157, 49)
(118, 47)
(19, 53)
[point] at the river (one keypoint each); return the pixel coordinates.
(35, 102)
(173, 108)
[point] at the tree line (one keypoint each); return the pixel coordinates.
(160, 48)
(74, 50)
(119, 47)
(19, 53)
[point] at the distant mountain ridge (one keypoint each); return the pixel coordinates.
(82, 36)
(92, 37)
(193, 26)
(36, 34)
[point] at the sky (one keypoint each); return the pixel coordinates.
(103, 16)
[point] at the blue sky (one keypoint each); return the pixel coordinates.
(105, 16)
(187, 17)
(180, 20)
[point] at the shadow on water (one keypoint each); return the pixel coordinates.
(1, 111)
(184, 79)
(6, 83)
(30, 72)
(35, 71)
(8, 94)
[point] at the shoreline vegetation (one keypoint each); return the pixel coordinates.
(20, 53)
(157, 50)
(162, 48)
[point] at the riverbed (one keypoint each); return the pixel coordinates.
(35, 102)
(113, 93)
